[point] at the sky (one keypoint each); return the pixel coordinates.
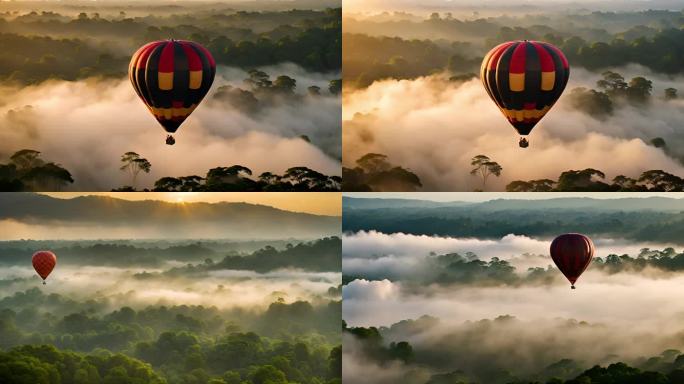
(487, 196)
(318, 203)
(430, 5)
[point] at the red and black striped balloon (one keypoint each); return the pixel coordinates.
(44, 262)
(525, 79)
(572, 253)
(172, 77)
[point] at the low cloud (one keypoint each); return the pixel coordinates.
(434, 127)
(408, 257)
(87, 125)
(226, 289)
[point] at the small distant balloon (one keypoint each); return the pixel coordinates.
(524, 79)
(44, 262)
(572, 254)
(172, 77)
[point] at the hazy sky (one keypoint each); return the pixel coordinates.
(318, 203)
(486, 196)
(490, 5)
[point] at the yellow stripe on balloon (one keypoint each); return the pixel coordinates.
(522, 114)
(169, 113)
(165, 81)
(195, 79)
(548, 80)
(516, 82)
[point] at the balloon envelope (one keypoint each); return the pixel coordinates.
(572, 253)
(44, 262)
(525, 79)
(172, 77)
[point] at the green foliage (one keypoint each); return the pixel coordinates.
(374, 345)
(45, 364)
(663, 369)
(57, 49)
(134, 164)
(26, 171)
(484, 167)
(320, 255)
(651, 220)
(238, 178)
(594, 103)
(590, 180)
(374, 173)
(657, 44)
(177, 344)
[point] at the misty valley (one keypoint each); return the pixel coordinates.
(270, 122)
(417, 118)
(190, 312)
(159, 291)
(464, 292)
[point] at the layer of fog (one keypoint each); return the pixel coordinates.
(434, 127)
(607, 319)
(225, 289)
(494, 8)
(521, 347)
(622, 317)
(357, 368)
(86, 126)
(400, 256)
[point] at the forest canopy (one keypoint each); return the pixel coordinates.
(38, 46)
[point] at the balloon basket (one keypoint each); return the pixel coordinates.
(170, 140)
(523, 143)
(572, 287)
(44, 283)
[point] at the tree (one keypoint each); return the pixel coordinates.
(584, 180)
(661, 181)
(314, 90)
(268, 374)
(26, 159)
(373, 162)
(614, 83)
(374, 172)
(48, 177)
(639, 90)
(335, 86)
(595, 104)
(670, 93)
(285, 84)
(335, 363)
(625, 183)
(258, 79)
(485, 167)
(658, 142)
(134, 164)
(543, 185)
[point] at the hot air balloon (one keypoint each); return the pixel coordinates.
(524, 79)
(44, 262)
(172, 77)
(572, 253)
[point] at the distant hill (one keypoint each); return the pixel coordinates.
(376, 203)
(619, 204)
(643, 219)
(187, 220)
